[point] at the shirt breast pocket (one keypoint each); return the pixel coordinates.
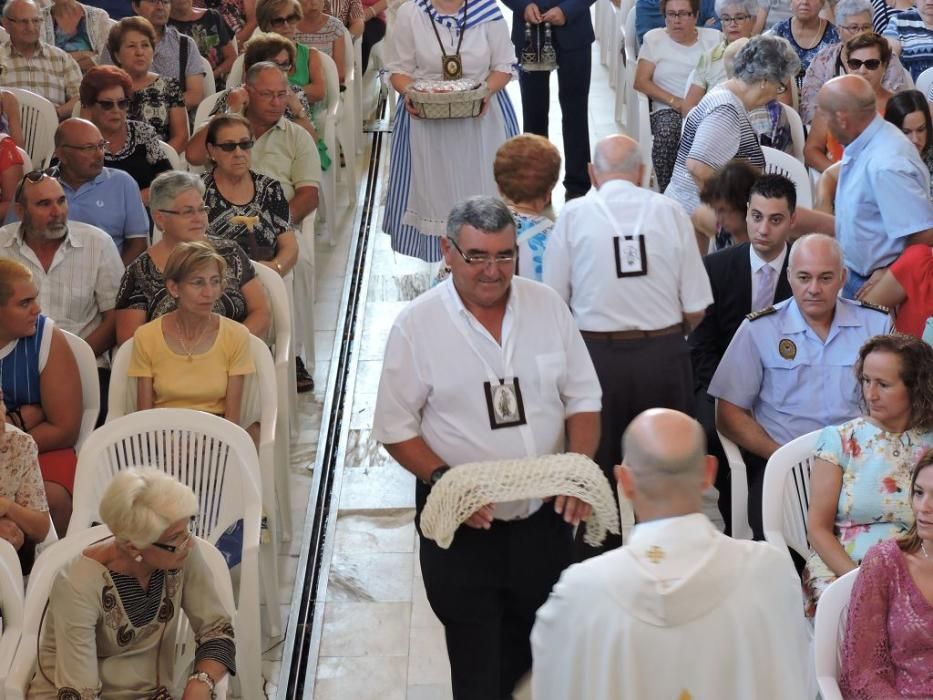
(551, 369)
(785, 384)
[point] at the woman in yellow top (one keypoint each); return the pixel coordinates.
(192, 357)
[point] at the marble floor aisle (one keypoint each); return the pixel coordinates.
(380, 638)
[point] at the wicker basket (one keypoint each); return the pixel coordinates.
(454, 104)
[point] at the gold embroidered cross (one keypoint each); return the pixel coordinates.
(656, 554)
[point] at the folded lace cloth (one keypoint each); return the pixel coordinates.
(468, 487)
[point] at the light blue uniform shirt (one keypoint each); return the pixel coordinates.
(816, 387)
(882, 197)
(111, 202)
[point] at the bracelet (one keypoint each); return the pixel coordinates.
(205, 678)
(278, 265)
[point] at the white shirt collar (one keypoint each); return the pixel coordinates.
(757, 263)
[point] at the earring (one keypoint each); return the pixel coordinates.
(138, 558)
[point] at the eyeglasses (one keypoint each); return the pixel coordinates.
(231, 147)
(33, 177)
(287, 66)
(270, 95)
(683, 14)
(158, 2)
(172, 548)
(857, 28)
(108, 105)
(187, 212)
(282, 21)
(34, 21)
(736, 19)
(484, 259)
(88, 147)
(871, 64)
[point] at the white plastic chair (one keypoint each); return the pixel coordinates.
(924, 82)
(11, 603)
(303, 295)
(329, 127)
(828, 633)
(203, 113)
(235, 76)
(630, 49)
(218, 461)
(259, 403)
(347, 124)
(277, 293)
(785, 497)
(27, 161)
(90, 385)
(210, 85)
(172, 156)
(39, 121)
(738, 486)
(797, 136)
(357, 100)
(785, 164)
(42, 578)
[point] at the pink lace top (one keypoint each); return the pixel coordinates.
(888, 647)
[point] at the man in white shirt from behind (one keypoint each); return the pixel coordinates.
(681, 611)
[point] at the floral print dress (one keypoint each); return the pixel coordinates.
(874, 501)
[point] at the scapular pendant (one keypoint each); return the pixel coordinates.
(452, 67)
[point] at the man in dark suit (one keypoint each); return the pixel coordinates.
(572, 33)
(744, 278)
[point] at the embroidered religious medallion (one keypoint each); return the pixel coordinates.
(631, 258)
(655, 554)
(504, 404)
(452, 67)
(787, 349)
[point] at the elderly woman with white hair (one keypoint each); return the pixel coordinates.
(852, 17)
(718, 129)
(110, 626)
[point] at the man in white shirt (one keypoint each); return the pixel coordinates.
(75, 266)
(681, 611)
(452, 356)
(626, 261)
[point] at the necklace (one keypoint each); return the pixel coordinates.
(181, 337)
(924, 549)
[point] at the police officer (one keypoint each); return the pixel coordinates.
(788, 370)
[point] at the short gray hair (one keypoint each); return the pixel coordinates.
(750, 7)
(488, 214)
(767, 57)
(629, 164)
(7, 9)
(139, 505)
(257, 68)
(167, 186)
(849, 8)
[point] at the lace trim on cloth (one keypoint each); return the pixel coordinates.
(72, 694)
(468, 487)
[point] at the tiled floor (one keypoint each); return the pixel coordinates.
(380, 638)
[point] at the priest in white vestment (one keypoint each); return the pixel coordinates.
(681, 612)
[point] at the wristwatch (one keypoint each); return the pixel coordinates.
(437, 474)
(203, 677)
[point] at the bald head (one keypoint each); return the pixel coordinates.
(74, 130)
(616, 157)
(819, 246)
(664, 443)
(13, 7)
(847, 93)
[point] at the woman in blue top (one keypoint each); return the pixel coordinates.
(807, 32)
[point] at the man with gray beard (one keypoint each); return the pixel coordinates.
(76, 266)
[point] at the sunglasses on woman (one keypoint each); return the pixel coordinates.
(231, 147)
(870, 64)
(282, 21)
(108, 105)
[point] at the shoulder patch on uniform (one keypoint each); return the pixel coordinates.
(876, 307)
(755, 315)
